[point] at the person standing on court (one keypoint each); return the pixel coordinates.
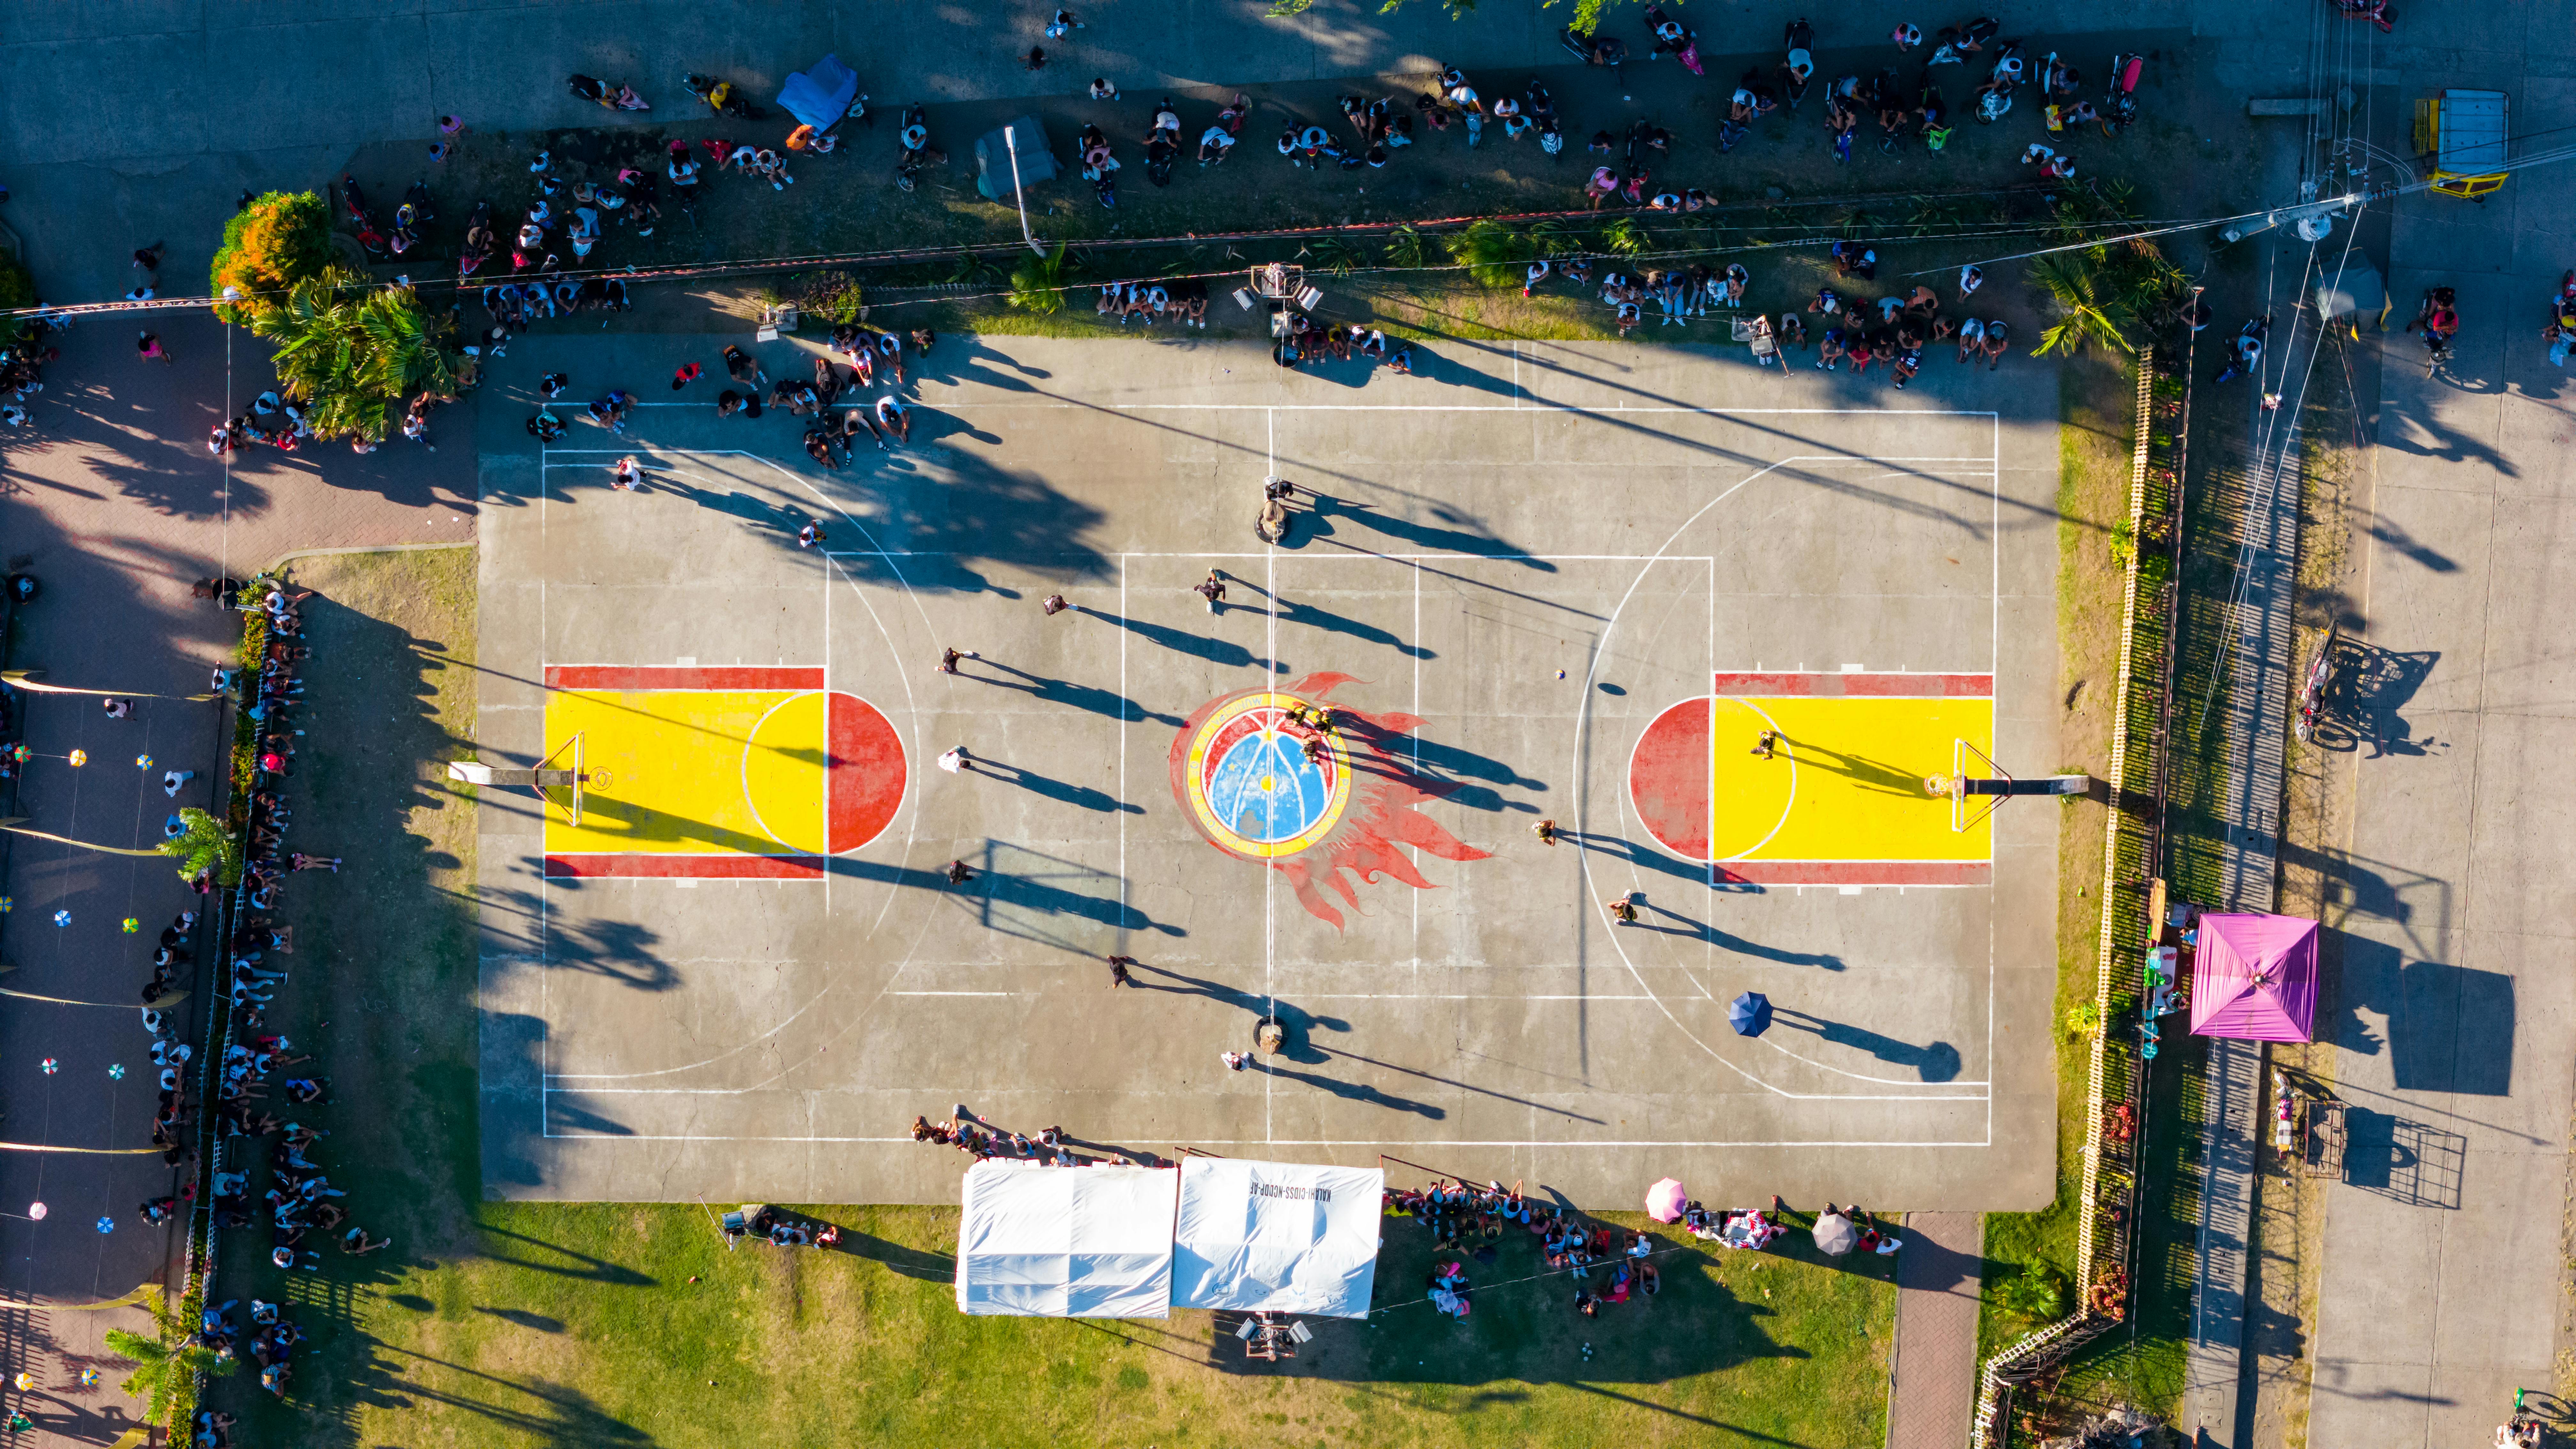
(1212, 589)
(1118, 971)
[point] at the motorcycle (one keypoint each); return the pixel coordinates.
(2374, 11)
(2437, 324)
(1799, 69)
(722, 97)
(1674, 39)
(1099, 166)
(2249, 351)
(1591, 48)
(2120, 105)
(478, 240)
(916, 149)
(361, 219)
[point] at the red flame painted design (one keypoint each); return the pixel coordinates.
(1380, 816)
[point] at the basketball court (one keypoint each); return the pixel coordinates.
(1718, 625)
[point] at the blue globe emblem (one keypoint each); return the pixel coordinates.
(1266, 788)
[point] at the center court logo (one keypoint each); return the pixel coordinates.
(1261, 782)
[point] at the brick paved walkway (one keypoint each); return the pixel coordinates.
(1934, 1388)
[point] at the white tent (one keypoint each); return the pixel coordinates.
(1066, 1242)
(1289, 1237)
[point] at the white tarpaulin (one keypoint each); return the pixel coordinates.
(1066, 1242)
(1284, 1236)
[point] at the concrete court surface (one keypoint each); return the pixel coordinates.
(1641, 520)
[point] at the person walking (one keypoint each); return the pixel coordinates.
(1235, 1061)
(1545, 830)
(1212, 589)
(959, 872)
(956, 759)
(171, 780)
(1118, 971)
(810, 535)
(948, 659)
(688, 372)
(1053, 604)
(1625, 908)
(626, 475)
(148, 346)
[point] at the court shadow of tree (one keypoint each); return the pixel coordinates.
(1937, 1061)
(954, 501)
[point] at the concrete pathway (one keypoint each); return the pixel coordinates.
(141, 121)
(1932, 1389)
(2444, 1281)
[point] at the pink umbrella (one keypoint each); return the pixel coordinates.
(1665, 1201)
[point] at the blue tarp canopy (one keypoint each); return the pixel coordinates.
(821, 97)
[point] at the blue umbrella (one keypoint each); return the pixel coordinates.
(1751, 1014)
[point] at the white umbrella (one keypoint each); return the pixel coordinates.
(1834, 1235)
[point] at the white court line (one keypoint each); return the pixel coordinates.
(1533, 405)
(1992, 462)
(1575, 774)
(1409, 1144)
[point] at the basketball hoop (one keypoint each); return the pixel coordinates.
(1996, 786)
(540, 779)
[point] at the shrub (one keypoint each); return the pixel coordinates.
(2035, 1292)
(1037, 284)
(277, 241)
(17, 287)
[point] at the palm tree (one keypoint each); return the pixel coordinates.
(1037, 284)
(204, 845)
(354, 352)
(1492, 253)
(2086, 309)
(1405, 249)
(163, 1365)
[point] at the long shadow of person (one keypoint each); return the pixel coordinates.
(1937, 1061)
(1081, 796)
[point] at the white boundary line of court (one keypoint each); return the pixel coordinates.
(1992, 461)
(1408, 1144)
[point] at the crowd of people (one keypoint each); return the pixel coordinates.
(1473, 1221)
(22, 366)
(980, 1140)
(834, 401)
(299, 1201)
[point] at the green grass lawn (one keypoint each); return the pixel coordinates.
(499, 1324)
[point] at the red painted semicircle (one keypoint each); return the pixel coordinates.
(865, 778)
(1668, 778)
